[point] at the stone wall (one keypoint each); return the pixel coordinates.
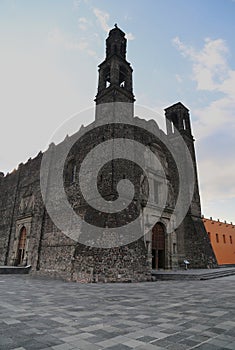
(51, 252)
(198, 249)
(8, 189)
(21, 203)
(122, 264)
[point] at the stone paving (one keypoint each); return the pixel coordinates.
(50, 314)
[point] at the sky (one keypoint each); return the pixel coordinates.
(180, 50)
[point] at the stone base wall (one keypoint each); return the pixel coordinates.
(122, 264)
(197, 247)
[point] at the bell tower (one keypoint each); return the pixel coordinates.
(115, 73)
(193, 242)
(178, 118)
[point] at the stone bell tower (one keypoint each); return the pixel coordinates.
(178, 118)
(115, 73)
(193, 242)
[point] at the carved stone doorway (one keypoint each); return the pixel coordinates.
(21, 247)
(158, 246)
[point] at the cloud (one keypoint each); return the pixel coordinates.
(37, 95)
(76, 4)
(178, 78)
(215, 117)
(102, 18)
(209, 64)
(127, 17)
(217, 185)
(223, 184)
(130, 36)
(83, 23)
(58, 38)
(215, 122)
(212, 73)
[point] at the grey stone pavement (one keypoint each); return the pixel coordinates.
(51, 314)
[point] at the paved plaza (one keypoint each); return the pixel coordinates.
(50, 314)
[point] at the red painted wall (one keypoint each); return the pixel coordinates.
(222, 237)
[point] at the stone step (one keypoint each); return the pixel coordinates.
(14, 270)
(192, 274)
(217, 275)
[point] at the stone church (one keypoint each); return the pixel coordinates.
(30, 236)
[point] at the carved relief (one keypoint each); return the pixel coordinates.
(171, 196)
(144, 190)
(26, 204)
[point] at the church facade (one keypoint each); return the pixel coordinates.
(28, 235)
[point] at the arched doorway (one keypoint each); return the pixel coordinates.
(21, 246)
(158, 246)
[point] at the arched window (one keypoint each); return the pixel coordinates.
(74, 173)
(71, 172)
(122, 76)
(156, 191)
(175, 120)
(107, 77)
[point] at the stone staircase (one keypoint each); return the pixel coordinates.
(192, 274)
(14, 270)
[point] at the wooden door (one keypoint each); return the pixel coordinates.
(21, 246)
(158, 247)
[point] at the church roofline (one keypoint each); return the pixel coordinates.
(178, 104)
(116, 28)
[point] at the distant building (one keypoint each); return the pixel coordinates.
(222, 237)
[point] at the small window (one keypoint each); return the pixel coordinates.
(217, 238)
(231, 240)
(224, 239)
(209, 235)
(174, 248)
(107, 77)
(74, 173)
(156, 191)
(71, 172)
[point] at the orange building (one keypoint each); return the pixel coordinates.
(222, 237)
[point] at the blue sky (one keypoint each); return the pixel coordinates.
(180, 50)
